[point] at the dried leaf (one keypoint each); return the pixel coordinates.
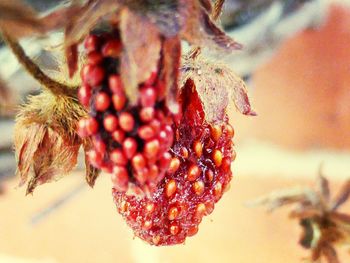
(218, 5)
(216, 85)
(142, 44)
(199, 29)
(330, 254)
(170, 69)
(72, 59)
(207, 5)
(340, 218)
(323, 187)
(91, 173)
(342, 196)
(18, 19)
(55, 157)
(86, 17)
(280, 198)
(45, 140)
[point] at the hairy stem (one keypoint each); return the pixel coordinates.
(35, 71)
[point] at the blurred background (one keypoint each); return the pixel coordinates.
(296, 62)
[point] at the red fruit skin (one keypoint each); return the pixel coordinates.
(141, 129)
(192, 185)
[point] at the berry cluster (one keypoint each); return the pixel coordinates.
(198, 175)
(176, 166)
(131, 142)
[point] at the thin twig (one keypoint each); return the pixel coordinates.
(35, 71)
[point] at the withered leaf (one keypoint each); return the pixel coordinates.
(342, 196)
(72, 59)
(199, 29)
(55, 157)
(91, 173)
(218, 5)
(142, 44)
(45, 140)
(216, 84)
(171, 56)
(84, 19)
(18, 19)
(281, 198)
(330, 254)
(323, 187)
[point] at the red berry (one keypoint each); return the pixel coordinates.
(147, 114)
(148, 96)
(91, 43)
(94, 58)
(84, 95)
(197, 174)
(126, 121)
(174, 167)
(138, 162)
(99, 145)
(115, 84)
(129, 147)
(120, 178)
(81, 129)
(119, 101)
(118, 136)
(112, 49)
(102, 101)
(91, 126)
(146, 132)
(95, 157)
(118, 157)
(110, 122)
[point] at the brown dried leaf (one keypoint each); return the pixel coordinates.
(142, 44)
(323, 187)
(199, 29)
(86, 17)
(55, 157)
(216, 85)
(18, 19)
(280, 198)
(170, 70)
(218, 5)
(342, 196)
(330, 254)
(72, 59)
(45, 140)
(207, 5)
(91, 173)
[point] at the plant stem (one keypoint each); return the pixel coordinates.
(35, 71)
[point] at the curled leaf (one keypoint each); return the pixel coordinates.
(218, 5)
(171, 56)
(142, 44)
(216, 85)
(91, 172)
(45, 140)
(199, 28)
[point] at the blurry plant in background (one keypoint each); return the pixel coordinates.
(324, 227)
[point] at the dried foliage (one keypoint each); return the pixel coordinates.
(324, 227)
(45, 140)
(151, 33)
(216, 85)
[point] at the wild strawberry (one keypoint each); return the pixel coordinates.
(198, 173)
(136, 138)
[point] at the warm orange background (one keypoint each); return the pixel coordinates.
(302, 95)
